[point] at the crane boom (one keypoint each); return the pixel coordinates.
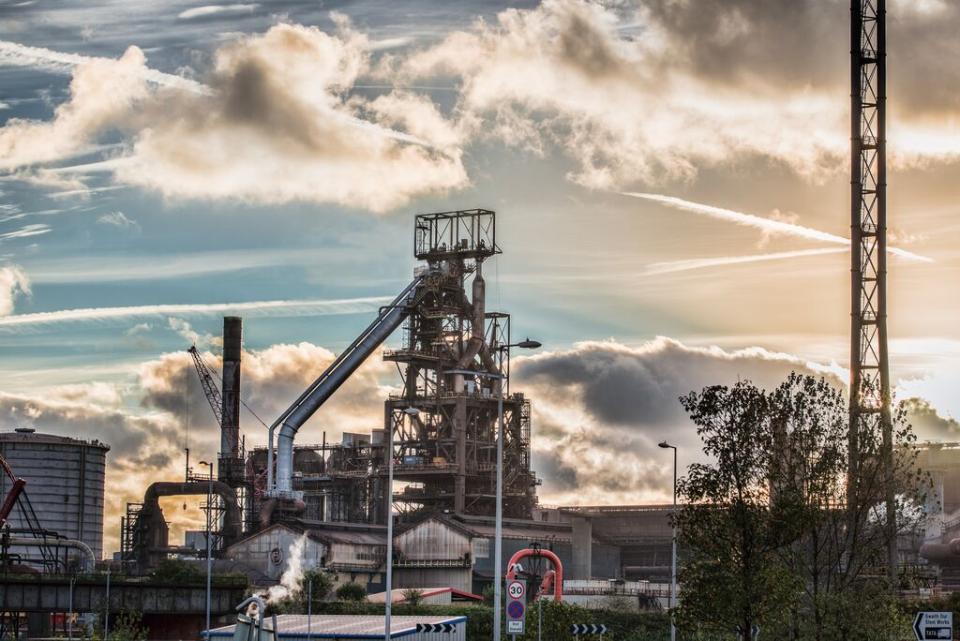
(210, 389)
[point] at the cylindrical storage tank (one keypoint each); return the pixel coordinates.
(64, 483)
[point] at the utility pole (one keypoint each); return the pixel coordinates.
(869, 362)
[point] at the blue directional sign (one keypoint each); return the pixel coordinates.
(933, 626)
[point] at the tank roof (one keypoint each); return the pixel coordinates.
(29, 435)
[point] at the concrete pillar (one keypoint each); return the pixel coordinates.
(582, 548)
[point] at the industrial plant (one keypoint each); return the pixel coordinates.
(442, 497)
(438, 440)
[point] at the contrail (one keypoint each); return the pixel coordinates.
(276, 308)
(18, 55)
(674, 266)
(763, 224)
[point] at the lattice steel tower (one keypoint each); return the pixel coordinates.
(869, 363)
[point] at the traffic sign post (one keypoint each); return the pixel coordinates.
(933, 626)
(516, 607)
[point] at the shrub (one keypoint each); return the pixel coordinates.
(353, 592)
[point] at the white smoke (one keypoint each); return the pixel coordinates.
(291, 581)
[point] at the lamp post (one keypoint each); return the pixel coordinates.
(673, 562)
(498, 536)
(388, 594)
(208, 537)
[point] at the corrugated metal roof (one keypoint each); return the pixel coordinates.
(353, 538)
(527, 534)
(340, 626)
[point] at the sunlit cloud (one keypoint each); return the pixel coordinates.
(673, 266)
(760, 223)
(273, 308)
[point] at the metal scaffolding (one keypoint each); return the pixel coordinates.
(453, 357)
(869, 364)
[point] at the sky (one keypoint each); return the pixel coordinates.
(669, 176)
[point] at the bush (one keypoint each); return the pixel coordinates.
(413, 596)
(318, 583)
(352, 592)
(175, 571)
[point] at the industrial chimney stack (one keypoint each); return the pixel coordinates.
(230, 428)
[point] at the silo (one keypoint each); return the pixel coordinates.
(64, 482)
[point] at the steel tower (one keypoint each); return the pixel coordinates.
(869, 363)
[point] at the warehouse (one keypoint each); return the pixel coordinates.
(351, 554)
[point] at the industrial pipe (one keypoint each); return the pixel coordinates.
(232, 521)
(557, 566)
(941, 551)
(330, 381)
(29, 541)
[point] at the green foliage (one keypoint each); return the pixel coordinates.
(124, 626)
(413, 596)
(488, 594)
(734, 576)
(779, 529)
(351, 592)
(175, 571)
(317, 584)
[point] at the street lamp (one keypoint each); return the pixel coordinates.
(388, 611)
(498, 537)
(209, 546)
(673, 563)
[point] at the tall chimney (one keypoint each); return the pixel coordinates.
(230, 429)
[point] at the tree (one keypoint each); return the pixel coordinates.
(842, 548)
(780, 528)
(734, 577)
(124, 626)
(351, 592)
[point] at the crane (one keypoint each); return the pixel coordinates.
(210, 389)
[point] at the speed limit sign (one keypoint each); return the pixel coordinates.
(516, 607)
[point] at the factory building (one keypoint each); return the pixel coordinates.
(349, 554)
(64, 482)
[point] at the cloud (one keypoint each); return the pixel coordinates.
(673, 266)
(766, 225)
(213, 9)
(258, 308)
(619, 102)
(278, 127)
(274, 123)
(13, 283)
(600, 408)
(118, 219)
(102, 93)
(18, 55)
(27, 231)
(928, 424)
(272, 378)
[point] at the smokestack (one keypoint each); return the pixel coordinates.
(232, 344)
